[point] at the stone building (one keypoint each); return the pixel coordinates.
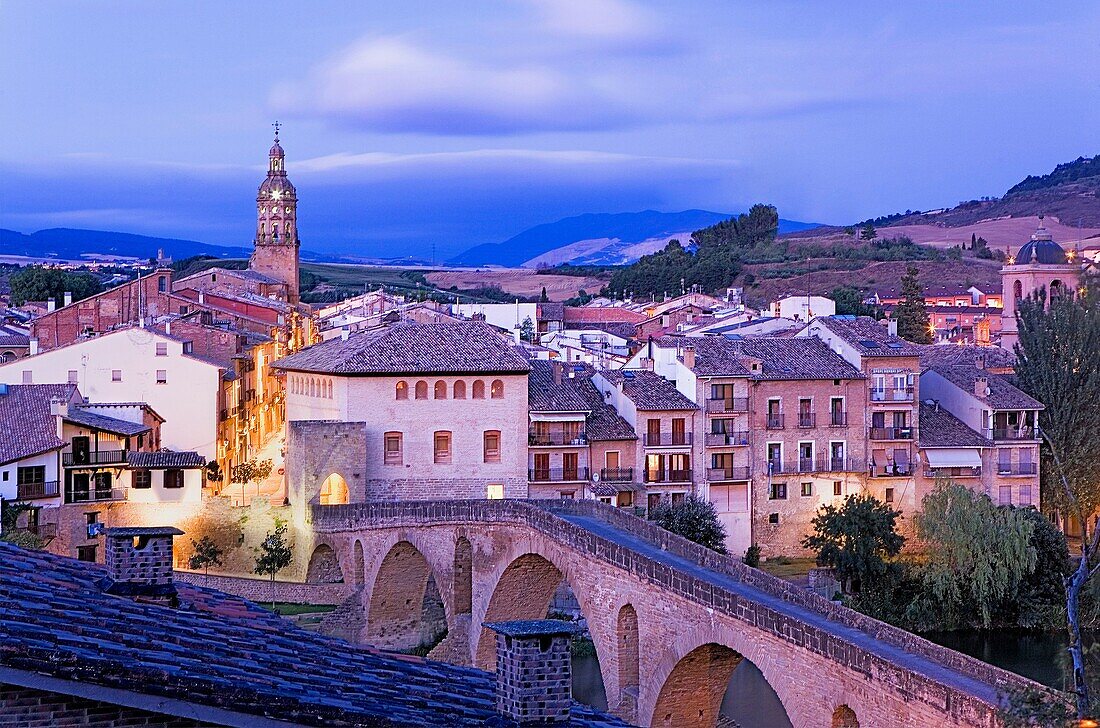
(276, 244)
(409, 411)
(1041, 265)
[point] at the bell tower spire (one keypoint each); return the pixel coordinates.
(276, 243)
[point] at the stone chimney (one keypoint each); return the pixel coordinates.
(139, 564)
(981, 387)
(202, 298)
(979, 361)
(689, 357)
(534, 674)
(892, 327)
(68, 298)
(34, 347)
(51, 304)
(555, 367)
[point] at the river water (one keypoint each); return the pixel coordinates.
(752, 703)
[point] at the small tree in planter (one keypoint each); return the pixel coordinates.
(251, 471)
(206, 554)
(273, 556)
(693, 518)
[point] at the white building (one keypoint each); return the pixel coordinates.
(509, 316)
(802, 308)
(599, 348)
(137, 365)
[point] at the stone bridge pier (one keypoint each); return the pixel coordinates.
(670, 621)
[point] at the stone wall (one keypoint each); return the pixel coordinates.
(316, 449)
(261, 590)
(24, 707)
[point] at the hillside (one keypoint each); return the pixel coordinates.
(597, 238)
(73, 244)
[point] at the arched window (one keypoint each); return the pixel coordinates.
(402, 390)
(441, 389)
(479, 389)
(497, 390)
(1056, 288)
(421, 389)
(334, 491)
(460, 390)
(328, 389)
(1017, 290)
(312, 387)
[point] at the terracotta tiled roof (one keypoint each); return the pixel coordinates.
(869, 337)
(26, 426)
(601, 314)
(648, 390)
(96, 421)
(939, 428)
(715, 356)
(796, 358)
(1003, 395)
(413, 348)
(546, 395)
(953, 354)
(224, 652)
(165, 459)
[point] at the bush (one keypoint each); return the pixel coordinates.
(693, 518)
(752, 556)
(855, 538)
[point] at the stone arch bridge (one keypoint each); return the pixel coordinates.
(670, 620)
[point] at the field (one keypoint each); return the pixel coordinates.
(526, 283)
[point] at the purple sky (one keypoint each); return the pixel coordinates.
(408, 124)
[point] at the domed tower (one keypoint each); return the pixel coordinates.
(276, 244)
(1041, 264)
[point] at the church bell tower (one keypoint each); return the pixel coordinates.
(276, 244)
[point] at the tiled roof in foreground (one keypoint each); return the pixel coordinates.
(219, 651)
(412, 348)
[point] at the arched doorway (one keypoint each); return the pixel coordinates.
(406, 611)
(626, 637)
(714, 680)
(324, 567)
(334, 491)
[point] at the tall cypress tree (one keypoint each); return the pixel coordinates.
(911, 313)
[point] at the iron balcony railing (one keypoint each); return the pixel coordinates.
(617, 475)
(557, 475)
(902, 394)
(93, 457)
(667, 439)
(891, 470)
(93, 494)
(46, 489)
(807, 419)
(726, 439)
(838, 419)
(668, 476)
(44, 531)
(957, 472)
(1023, 432)
(727, 404)
(837, 465)
(738, 472)
(1018, 469)
(557, 437)
(774, 422)
(891, 433)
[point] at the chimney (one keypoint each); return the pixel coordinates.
(139, 564)
(979, 361)
(555, 367)
(689, 357)
(981, 387)
(534, 675)
(168, 327)
(345, 333)
(892, 327)
(34, 347)
(202, 298)
(68, 298)
(59, 407)
(51, 304)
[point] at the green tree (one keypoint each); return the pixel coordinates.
(250, 471)
(206, 554)
(527, 329)
(855, 538)
(868, 232)
(849, 301)
(11, 531)
(978, 554)
(1058, 365)
(911, 313)
(693, 518)
(273, 555)
(543, 298)
(38, 283)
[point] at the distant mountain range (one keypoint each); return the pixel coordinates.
(599, 238)
(72, 244)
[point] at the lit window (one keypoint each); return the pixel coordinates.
(492, 446)
(162, 348)
(402, 391)
(392, 449)
(442, 447)
(479, 389)
(441, 390)
(497, 390)
(162, 376)
(421, 390)
(807, 489)
(116, 375)
(494, 491)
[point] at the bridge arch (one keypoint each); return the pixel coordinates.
(405, 608)
(324, 566)
(523, 590)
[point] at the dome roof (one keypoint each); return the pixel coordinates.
(277, 182)
(276, 150)
(1041, 249)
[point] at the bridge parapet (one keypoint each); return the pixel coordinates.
(961, 684)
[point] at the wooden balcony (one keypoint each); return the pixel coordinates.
(1023, 432)
(92, 494)
(30, 491)
(93, 458)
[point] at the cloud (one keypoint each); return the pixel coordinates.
(394, 85)
(610, 25)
